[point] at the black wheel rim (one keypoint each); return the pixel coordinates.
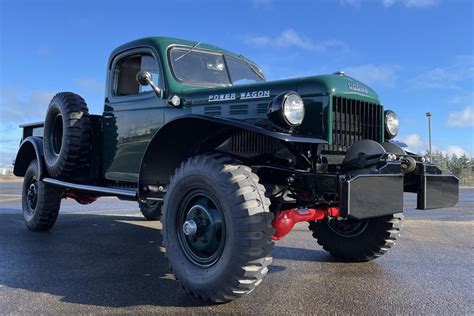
(32, 196)
(57, 134)
(201, 228)
(348, 227)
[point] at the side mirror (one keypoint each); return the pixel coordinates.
(144, 78)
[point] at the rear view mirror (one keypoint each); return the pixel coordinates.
(144, 78)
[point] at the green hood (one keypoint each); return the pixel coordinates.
(323, 85)
(250, 102)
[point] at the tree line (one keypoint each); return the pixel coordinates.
(460, 166)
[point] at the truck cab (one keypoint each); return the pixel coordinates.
(133, 112)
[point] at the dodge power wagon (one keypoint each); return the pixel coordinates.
(229, 162)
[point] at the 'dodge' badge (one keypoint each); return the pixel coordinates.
(358, 88)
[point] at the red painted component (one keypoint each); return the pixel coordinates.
(285, 220)
(334, 211)
(80, 198)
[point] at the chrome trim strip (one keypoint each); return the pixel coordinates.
(91, 188)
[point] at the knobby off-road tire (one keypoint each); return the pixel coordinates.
(67, 135)
(151, 210)
(353, 240)
(229, 255)
(40, 201)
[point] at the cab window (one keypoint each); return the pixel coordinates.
(125, 78)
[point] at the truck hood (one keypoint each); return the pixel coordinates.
(322, 85)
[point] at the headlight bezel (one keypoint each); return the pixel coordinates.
(277, 111)
(389, 118)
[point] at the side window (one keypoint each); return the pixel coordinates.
(125, 82)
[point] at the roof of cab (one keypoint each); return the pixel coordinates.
(163, 42)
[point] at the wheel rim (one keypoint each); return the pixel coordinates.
(201, 229)
(57, 134)
(348, 227)
(32, 196)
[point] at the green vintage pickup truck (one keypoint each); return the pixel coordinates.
(228, 161)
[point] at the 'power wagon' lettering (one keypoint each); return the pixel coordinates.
(242, 96)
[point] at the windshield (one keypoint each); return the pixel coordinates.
(211, 69)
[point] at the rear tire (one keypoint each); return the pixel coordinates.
(358, 240)
(228, 252)
(151, 210)
(67, 135)
(40, 201)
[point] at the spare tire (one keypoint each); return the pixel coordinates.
(67, 135)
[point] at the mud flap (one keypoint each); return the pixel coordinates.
(372, 195)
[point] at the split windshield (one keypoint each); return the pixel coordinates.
(212, 69)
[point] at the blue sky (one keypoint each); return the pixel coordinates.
(417, 54)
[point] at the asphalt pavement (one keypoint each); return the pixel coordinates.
(105, 258)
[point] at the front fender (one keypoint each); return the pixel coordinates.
(31, 148)
(190, 135)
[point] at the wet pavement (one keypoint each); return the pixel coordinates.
(105, 258)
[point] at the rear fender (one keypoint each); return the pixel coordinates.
(190, 135)
(31, 148)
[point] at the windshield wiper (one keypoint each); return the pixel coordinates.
(253, 67)
(190, 50)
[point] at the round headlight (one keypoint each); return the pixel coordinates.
(392, 124)
(293, 109)
(286, 110)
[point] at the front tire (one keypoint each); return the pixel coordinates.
(358, 240)
(40, 201)
(217, 229)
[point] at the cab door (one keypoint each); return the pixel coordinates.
(132, 114)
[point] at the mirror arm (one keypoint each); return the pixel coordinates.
(157, 90)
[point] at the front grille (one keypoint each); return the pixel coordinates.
(354, 120)
(238, 109)
(252, 143)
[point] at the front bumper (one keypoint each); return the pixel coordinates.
(371, 195)
(378, 191)
(437, 191)
(374, 195)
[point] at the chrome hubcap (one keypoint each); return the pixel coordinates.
(190, 228)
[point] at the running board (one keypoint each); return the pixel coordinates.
(124, 193)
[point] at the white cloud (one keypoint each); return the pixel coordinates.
(464, 118)
(15, 110)
(420, 4)
(89, 84)
(455, 150)
(414, 142)
(463, 98)
(290, 38)
(417, 144)
(384, 75)
(451, 76)
(411, 3)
